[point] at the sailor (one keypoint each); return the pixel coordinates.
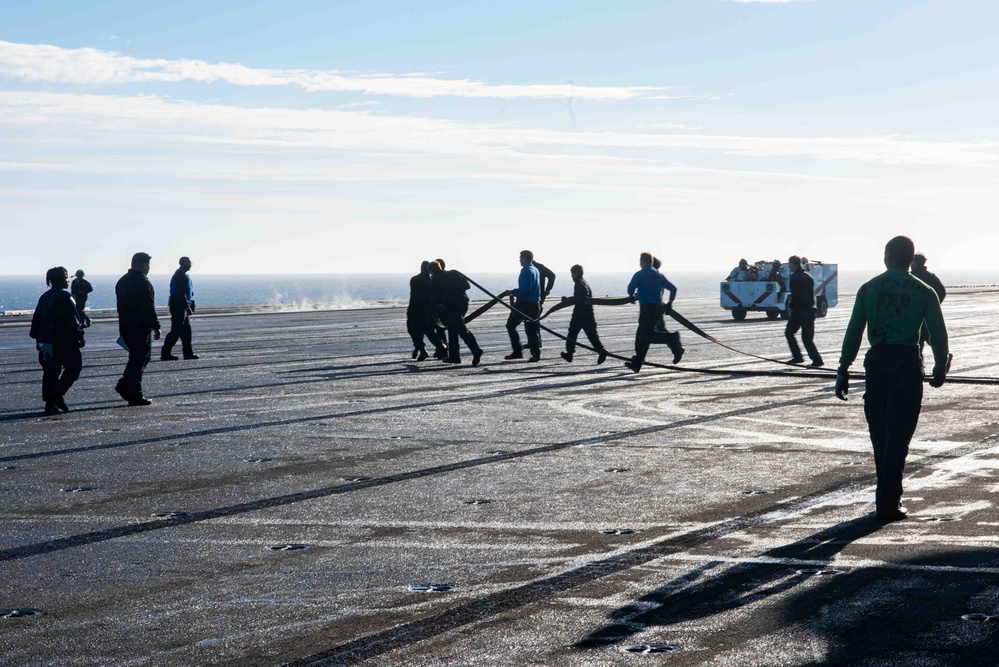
(526, 309)
(919, 270)
(801, 307)
(893, 306)
(449, 292)
(740, 272)
(647, 287)
(420, 319)
(182, 305)
(58, 332)
(138, 325)
(81, 289)
(582, 318)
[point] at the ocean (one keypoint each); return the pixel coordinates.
(351, 291)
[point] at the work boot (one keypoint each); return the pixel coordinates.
(634, 364)
(567, 356)
(534, 358)
(451, 360)
(476, 356)
(166, 356)
(61, 404)
(121, 392)
(139, 401)
(50, 408)
(422, 352)
(797, 360)
(190, 356)
(514, 355)
(817, 364)
(416, 351)
(891, 514)
(440, 353)
(678, 355)
(601, 356)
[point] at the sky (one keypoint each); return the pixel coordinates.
(309, 136)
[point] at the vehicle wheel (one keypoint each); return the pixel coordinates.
(821, 307)
(773, 314)
(738, 313)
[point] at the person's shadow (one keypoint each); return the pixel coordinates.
(864, 616)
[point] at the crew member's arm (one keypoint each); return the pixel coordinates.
(938, 340)
(147, 303)
(851, 344)
(633, 287)
(547, 279)
(669, 287)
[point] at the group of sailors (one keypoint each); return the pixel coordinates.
(438, 306)
(59, 320)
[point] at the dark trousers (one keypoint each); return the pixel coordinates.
(588, 325)
(806, 322)
(180, 328)
(420, 325)
(649, 316)
(60, 371)
(81, 303)
(454, 314)
(529, 313)
(892, 401)
(140, 345)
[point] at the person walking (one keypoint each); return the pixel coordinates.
(449, 292)
(58, 332)
(138, 325)
(527, 309)
(892, 307)
(801, 307)
(182, 306)
(647, 287)
(81, 289)
(918, 268)
(420, 318)
(582, 318)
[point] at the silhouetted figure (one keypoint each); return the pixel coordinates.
(527, 306)
(58, 332)
(647, 287)
(801, 314)
(138, 326)
(420, 317)
(775, 275)
(893, 307)
(448, 290)
(182, 306)
(547, 278)
(81, 289)
(919, 270)
(582, 318)
(740, 272)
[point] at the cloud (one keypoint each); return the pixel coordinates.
(52, 64)
(155, 121)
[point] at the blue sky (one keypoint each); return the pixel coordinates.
(367, 136)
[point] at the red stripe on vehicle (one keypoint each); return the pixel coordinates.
(827, 281)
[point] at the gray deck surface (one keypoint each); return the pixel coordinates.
(749, 498)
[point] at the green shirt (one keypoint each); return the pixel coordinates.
(893, 306)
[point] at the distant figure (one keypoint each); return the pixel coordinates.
(582, 318)
(893, 306)
(527, 306)
(80, 289)
(775, 275)
(58, 332)
(449, 292)
(420, 318)
(138, 326)
(740, 272)
(182, 306)
(547, 278)
(920, 271)
(647, 287)
(801, 314)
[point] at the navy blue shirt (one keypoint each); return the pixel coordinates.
(528, 286)
(181, 286)
(650, 284)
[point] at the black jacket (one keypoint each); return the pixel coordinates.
(56, 319)
(802, 292)
(547, 278)
(931, 280)
(80, 287)
(582, 293)
(419, 295)
(136, 304)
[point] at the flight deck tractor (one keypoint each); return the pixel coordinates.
(751, 289)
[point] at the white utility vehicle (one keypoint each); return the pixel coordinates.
(752, 289)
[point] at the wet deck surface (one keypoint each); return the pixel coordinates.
(725, 517)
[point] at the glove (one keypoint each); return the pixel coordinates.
(667, 308)
(842, 383)
(940, 373)
(634, 299)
